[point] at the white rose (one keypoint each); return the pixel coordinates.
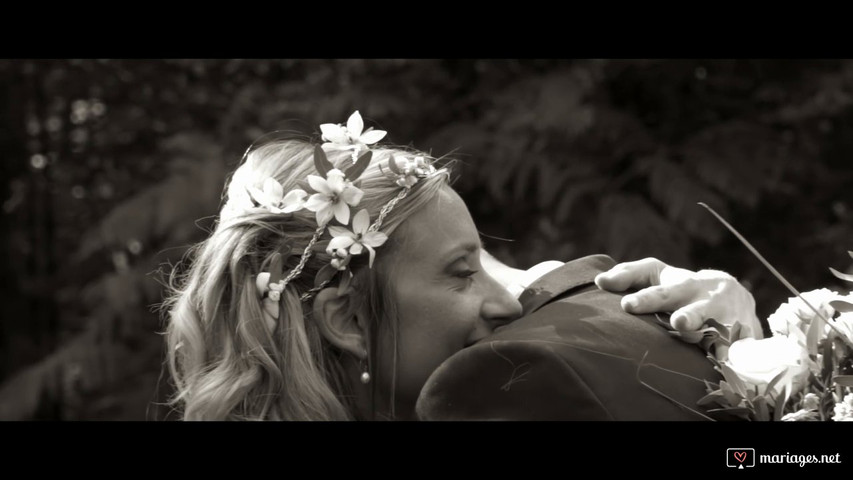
(758, 361)
(811, 402)
(795, 314)
(819, 299)
(843, 411)
(785, 320)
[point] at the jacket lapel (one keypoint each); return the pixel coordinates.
(574, 274)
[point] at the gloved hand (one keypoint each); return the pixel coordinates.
(692, 297)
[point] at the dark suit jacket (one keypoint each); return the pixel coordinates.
(575, 355)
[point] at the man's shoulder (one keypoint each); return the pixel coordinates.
(578, 356)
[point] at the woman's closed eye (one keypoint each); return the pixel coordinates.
(464, 268)
(468, 273)
(464, 277)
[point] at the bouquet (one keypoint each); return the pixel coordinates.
(803, 372)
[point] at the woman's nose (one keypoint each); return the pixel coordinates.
(500, 306)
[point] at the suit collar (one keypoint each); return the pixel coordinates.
(574, 274)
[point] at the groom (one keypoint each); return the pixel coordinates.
(576, 354)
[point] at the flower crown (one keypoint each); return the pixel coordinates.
(335, 194)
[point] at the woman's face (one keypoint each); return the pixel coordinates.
(445, 300)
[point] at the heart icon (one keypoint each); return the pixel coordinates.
(740, 456)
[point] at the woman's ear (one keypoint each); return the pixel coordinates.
(338, 323)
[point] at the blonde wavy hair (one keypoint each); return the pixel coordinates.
(224, 362)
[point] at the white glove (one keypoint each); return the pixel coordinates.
(692, 297)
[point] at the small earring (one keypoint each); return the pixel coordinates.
(365, 375)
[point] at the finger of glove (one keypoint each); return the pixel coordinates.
(691, 317)
(658, 299)
(638, 274)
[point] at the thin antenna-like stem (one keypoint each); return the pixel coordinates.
(773, 270)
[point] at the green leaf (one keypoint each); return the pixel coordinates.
(813, 335)
(734, 333)
(843, 276)
(734, 380)
(664, 323)
(392, 165)
(843, 380)
(731, 396)
(712, 398)
(841, 305)
(742, 412)
(324, 275)
(688, 337)
(773, 382)
(275, 268)
(840, 349)
(321, 245)
(321, 163)
(723, 329)
(826, 351)
(779, 407)
(762, 411)
(360, 166)
(713, 361)
(710, 338)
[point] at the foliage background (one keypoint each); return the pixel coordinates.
(112, 168)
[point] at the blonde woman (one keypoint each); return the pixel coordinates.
(338, 279)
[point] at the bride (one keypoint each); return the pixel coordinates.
(340, 277)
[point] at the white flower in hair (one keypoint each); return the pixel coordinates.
(351, 136)
(239, 203)
(334, 194)
(411, 170)
(262, 282)
(275, 291)
(341, 258)
(406, 173)
(272, 197)
(357, 240)
(271, 295)
(333, 198)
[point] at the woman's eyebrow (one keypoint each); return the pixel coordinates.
(463, 248)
